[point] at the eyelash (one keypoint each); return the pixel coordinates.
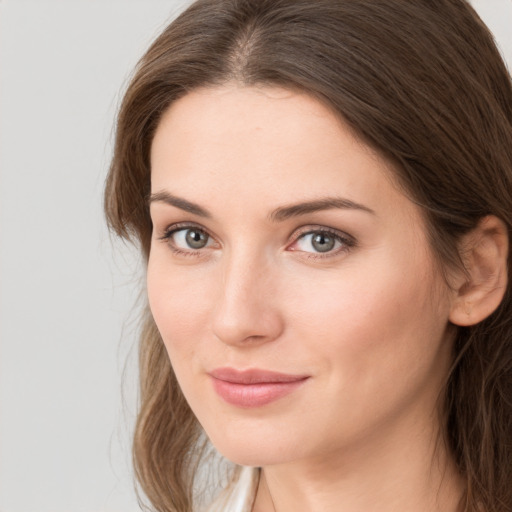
(174, 228)
(347, 241)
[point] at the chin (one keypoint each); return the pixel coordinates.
(253, 449)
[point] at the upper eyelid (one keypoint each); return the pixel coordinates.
(178, 226)
(314, 228)
(303, 230)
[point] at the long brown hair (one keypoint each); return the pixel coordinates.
(421, 81)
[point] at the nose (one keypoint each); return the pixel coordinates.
(247, 309)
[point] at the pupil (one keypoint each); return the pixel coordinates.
(196, 239)
(323, 242)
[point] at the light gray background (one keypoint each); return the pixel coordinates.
(65, 293)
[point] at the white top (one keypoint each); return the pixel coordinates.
(239, 497)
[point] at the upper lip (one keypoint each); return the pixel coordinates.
(253, 376)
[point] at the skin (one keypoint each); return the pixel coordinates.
(367, 322)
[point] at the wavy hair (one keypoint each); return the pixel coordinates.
(423, 83)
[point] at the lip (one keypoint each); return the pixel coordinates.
(254, 387)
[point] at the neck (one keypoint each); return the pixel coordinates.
(402, 470)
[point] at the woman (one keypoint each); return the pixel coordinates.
(322, 191)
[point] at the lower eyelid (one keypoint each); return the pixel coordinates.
(331, 254)
(191, 253)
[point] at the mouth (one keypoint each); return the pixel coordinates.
(255, 387)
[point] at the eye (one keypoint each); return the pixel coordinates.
(191, 237)
(187, 239)
(322, 242)
(319, 241)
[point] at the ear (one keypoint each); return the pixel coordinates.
(480, 290)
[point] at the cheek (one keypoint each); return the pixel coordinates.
(382, 316)
(180, 301)
(375, 340)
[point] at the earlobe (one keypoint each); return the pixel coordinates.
(480, 290)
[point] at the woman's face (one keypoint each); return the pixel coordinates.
(291, 281)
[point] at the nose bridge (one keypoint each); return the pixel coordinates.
(244, 272)
(247, 307)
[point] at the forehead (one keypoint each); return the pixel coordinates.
(270, 145)
(255, 115)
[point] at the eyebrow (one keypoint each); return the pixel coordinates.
(278, 215)
(328, 203)
(179, 202)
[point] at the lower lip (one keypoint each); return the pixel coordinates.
(254, 395)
